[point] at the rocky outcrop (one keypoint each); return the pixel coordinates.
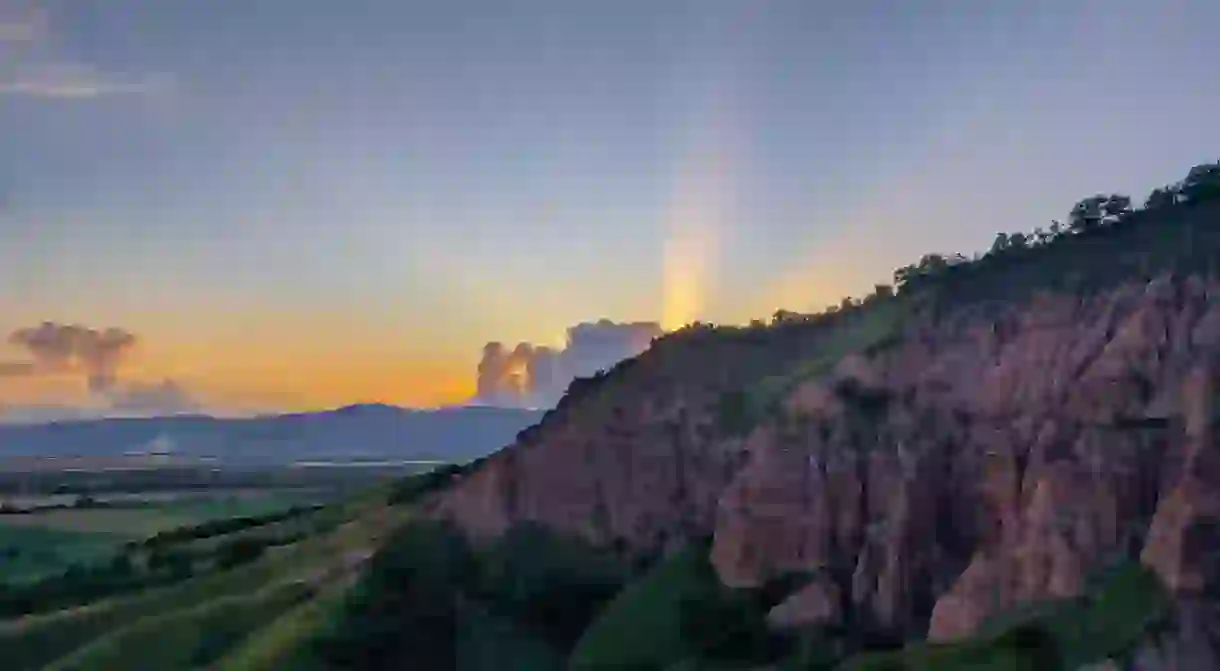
(639, 465)
(1018, 451)
(814, 604)
(1193, 643)
(995, 455)
(1184, 537)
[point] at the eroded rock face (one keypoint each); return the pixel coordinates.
(980, 590)
(1019, 452)
(642, 467)
(1191, 646)
(814, 604)
(998, 455)
(1184, 537)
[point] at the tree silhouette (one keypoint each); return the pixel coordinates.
(1094, 213)
(1087, 214)
(932, 264)
(1001, 243)
(1161, 198)
(904, 275)
(1202, 182)
(1116, 207)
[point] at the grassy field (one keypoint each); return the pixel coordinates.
(187, 638)
(130, 522)
(284, 644)
(145, 520)
(29, 552)
(35, 641)
(47, 542)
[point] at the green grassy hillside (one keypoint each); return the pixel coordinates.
(679, 612)
(28, 553)
(285, 643)
(187, 638)
(34, 641)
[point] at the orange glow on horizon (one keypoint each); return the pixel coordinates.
(396, 383)
(229, 377)
(302, 361)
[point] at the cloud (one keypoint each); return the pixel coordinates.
(537, 376)
(32, 66)
(164, 398)
(55, 348)
(97, 357)
(73, 81)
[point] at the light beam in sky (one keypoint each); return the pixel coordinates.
(698, 219)
(692, 244)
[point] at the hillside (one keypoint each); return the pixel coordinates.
(990, 433)
(187, 599)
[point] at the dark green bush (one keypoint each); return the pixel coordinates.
(552, 583)
(414, 487)
(224, 527)
(239, 551)
(679, 611)
(403, 613)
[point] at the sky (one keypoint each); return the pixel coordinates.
(297, 204)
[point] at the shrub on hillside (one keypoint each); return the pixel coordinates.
(549, 582)
(403, 611)
(223, 527)
(677, 612)
(78, 584)
(239, 551)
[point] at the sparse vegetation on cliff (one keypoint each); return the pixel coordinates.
(1128, 609)
(1105, 242)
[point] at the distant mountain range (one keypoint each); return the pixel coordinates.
(379, 432)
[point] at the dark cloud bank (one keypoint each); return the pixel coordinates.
(536, 376)
(97, 356)
(58, 348)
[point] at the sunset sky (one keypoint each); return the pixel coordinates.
(298, 204)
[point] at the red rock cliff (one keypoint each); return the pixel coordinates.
(992, 456)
